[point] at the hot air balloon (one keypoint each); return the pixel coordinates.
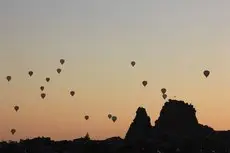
(164, 96)
(206, 73)
(62, 61)
(163, 90)
(109, 116)
(30, 73)
(47, 79)
(72, 93)
(114, 118)
(13, 131)
(133, 63)
(42, 88)
(58, 70)
(8, 78)
(144, 83)
(43, 95)
(86, 117)
(16, 108)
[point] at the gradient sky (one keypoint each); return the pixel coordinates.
(171, 41)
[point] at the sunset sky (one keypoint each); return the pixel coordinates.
(172, 43)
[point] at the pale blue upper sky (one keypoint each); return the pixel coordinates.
(173, 41)
(163, 24)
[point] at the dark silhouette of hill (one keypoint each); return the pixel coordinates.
(179, 119)
(140, 128)
(176, 130)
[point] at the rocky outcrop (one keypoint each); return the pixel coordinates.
(177, 118)
(176, 115)
(140, 127)
(177, 121)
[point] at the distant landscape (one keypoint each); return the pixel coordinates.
(176, 130)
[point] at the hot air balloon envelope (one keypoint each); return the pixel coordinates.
(163, 90)
(13, 131)
(16, 108)
(62, 61)
(206, 73)
(30, 73)
(58, 70)
(109, 116)
(133, 63)
(43, 95)
(114, 118)
(86, 117)
(42, 88)
(144, 83)
(164, 96)
(8, 78)
(47, 79)
(72, 93)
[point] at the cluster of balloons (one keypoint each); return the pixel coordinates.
(16, 108)
(163, 91)
(144, 83)
(43, 95)
(72, 93)
(62, 61)
(113, 118)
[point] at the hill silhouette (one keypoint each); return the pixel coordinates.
(140, 128)
(179, 118)
(176, 130)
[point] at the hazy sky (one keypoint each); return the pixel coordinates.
(171, 41)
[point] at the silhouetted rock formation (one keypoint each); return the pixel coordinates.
(176, 115)
(176, 127)
(140, 127)
(177, 122)
(177, 118)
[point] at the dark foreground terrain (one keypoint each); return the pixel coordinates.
(176, 130)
